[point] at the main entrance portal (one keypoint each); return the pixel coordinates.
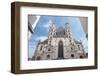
(60, 50)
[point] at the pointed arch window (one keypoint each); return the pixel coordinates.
(49, 49)
(41, 47)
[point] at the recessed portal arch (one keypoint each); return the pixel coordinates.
(60, 50)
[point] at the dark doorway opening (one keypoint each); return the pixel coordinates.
(60, 50)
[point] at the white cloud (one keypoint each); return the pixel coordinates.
(42, 38)
(47, 24)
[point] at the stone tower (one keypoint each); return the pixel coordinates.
(52, 32)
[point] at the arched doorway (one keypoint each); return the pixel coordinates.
(60, 50)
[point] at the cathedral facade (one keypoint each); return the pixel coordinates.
(59, 45)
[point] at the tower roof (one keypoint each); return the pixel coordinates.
(77, 42)
(60, 31)
(44, 42)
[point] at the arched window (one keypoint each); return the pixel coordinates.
(41, 47)
(71, 48)
(70, 40)
(48, 56)
(64, 32)
(49, 49)
(69, 36)
(72, 55)
(81, 56)
(79, 47)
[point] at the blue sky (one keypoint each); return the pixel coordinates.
(41, 30)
